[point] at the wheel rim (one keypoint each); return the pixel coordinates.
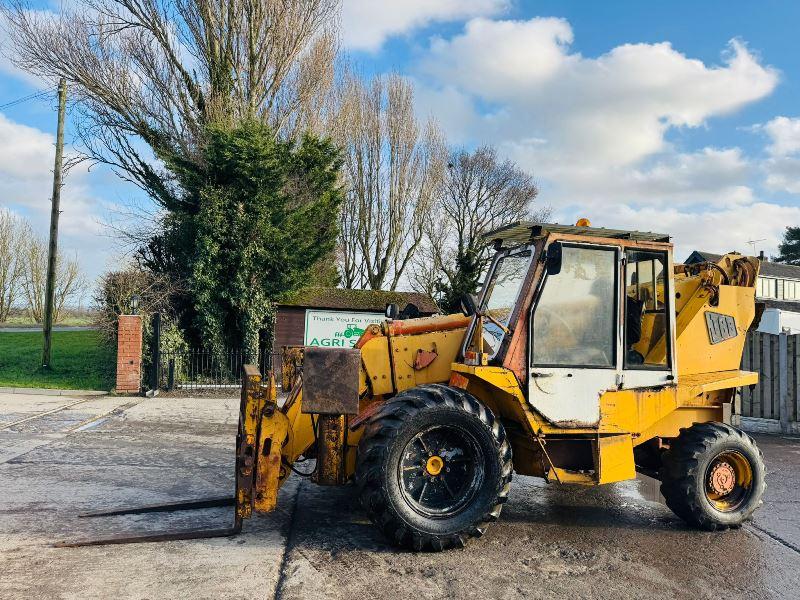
(441, 471)
(729, 481)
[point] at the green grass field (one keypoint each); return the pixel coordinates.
(23, 320)
(80, 361)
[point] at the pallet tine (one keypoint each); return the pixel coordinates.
(158, 536)
(168, 507)
(241, 500)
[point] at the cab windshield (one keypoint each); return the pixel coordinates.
(500, 295)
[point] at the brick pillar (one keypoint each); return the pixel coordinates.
(129, 354)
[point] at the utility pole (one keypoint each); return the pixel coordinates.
(50, 293)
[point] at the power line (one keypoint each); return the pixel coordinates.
(28, 98)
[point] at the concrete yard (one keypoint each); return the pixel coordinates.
(96, 452)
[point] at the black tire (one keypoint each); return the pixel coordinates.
(688, 474)
(388, 481)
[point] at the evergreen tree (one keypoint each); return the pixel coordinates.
(789, 248)
(468, 270)
(251, 221)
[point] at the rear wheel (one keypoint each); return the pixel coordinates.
(713, 476)
(434, 468)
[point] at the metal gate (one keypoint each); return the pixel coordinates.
(200, 368)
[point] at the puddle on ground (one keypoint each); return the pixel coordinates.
(649, 488)
(642, 488)
(91, 425)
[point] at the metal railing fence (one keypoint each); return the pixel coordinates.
(203, 369)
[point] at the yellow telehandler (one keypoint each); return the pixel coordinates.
(587, 357)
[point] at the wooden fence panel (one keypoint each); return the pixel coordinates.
(747, 365)
(778, 366)
(764, 378)
(767, 388)
(757, 395)
(794, 377)
(776, 377)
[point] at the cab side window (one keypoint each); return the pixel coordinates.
(574, 318)
(646, 324)
(501, 296)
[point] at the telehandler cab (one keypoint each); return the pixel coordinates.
(588, 356)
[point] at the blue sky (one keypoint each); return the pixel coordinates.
(682, 117)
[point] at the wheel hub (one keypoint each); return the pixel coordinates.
(434, 465)
(722, 479)
(441, 470)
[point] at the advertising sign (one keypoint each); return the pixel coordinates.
(335, 329)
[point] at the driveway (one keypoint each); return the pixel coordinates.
(610, 542)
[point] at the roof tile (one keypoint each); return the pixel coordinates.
(345, 299)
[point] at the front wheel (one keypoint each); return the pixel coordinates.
(434, 468)
(713, 476)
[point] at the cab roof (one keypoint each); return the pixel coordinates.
(522, 232)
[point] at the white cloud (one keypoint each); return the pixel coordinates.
(368, 24)
(782, 174)
(8, 68)
(784, 133)
(593, 130)
(524, 84)
(782, 167)
(701, 198)
(696, 177)
(26, 183)
(23, 151)
(26, 178)
(718, 230)
(708, 177)
(500, 60)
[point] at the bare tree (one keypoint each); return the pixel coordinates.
(427, 267)
(480, 193)
(115, 289)
(393, 170)
(351, 268)
(12, 232)
(161, 70)
(69, 280)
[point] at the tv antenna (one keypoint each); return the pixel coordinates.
(753, 244)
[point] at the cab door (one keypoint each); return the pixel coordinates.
(575, 336)
(649, 319)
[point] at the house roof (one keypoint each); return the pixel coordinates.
(524, 231)
(360, 300)
(787, 305)
(768, 268)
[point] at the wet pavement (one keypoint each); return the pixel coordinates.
(109, 452)
(615, 541)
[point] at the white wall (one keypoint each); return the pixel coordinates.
(775, 321)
